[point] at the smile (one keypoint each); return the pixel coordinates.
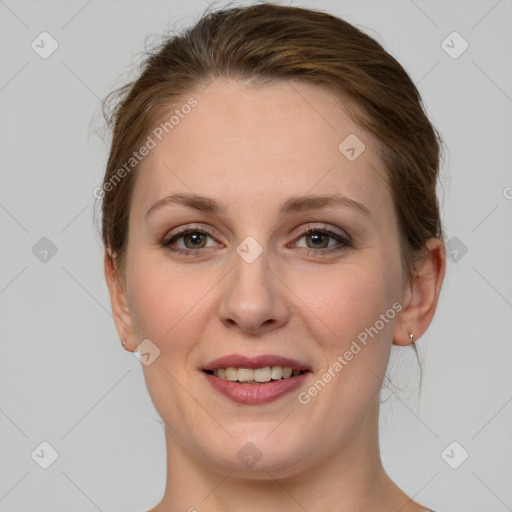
(254, 381)
(257, 375)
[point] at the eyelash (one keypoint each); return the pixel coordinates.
(344, 240)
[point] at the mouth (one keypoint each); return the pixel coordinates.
(255, 380)
(257, 375)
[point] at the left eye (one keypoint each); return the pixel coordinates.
(321, 239)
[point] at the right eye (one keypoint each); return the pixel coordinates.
(192, 239)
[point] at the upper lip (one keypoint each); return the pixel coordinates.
(240, 361)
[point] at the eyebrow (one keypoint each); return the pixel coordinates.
(291, 205)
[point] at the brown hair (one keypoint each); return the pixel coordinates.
(264, 43)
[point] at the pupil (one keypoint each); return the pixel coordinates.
(317, 239)
(195, 238)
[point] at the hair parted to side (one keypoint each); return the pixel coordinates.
(267, 43)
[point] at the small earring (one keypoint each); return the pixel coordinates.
(411, 337)
(124, 343)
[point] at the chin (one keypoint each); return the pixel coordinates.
(254, 457)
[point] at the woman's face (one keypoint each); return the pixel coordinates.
(255, 168)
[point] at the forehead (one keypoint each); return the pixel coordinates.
(253, 146)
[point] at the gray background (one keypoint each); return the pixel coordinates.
(64, 377)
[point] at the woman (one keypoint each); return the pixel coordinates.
(271, 228)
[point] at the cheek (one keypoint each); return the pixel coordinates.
(355, 311)
(344, 301)
(168, 304)
(159, 299)
(167, 309)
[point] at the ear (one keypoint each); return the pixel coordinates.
(119, 303)
(420, 297)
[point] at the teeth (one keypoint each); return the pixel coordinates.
(264, 374)
(245, 375)
(231, 374)
(277, 372)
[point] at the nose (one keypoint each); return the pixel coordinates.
(252, 297)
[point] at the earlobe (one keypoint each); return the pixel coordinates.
(422, 294)
(119, 304)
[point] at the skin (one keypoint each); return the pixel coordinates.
(251, 149)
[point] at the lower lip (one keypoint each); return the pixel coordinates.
(255, 394)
